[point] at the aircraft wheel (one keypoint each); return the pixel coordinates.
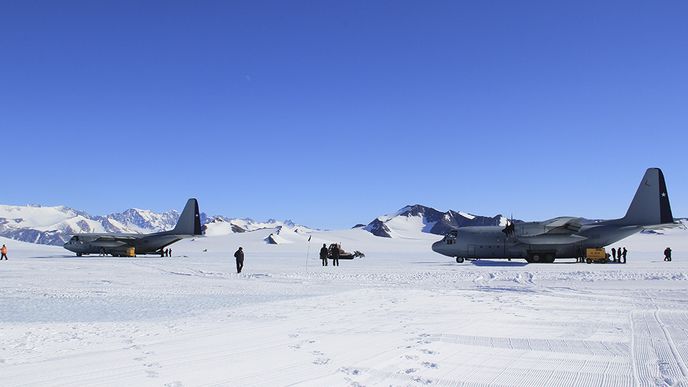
(78, 254)
(588, 260)
(459, 260)
(535, 258)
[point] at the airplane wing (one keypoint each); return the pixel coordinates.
(555, 231)
(562, 225)
(551, 239)
(112, 241)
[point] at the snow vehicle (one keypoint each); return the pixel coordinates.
(343, 254)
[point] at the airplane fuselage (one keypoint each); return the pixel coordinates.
(492, 242)
(188, 225)
(118, 244)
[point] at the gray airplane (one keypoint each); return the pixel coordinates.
(562, 237)
(188, 225)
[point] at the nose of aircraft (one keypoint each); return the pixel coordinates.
(438, 247)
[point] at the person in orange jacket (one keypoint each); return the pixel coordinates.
(3, 250)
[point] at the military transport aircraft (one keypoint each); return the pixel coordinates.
(562, 237)
(188, 225)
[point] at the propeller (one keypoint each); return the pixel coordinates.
(510, 228)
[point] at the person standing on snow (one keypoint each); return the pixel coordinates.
(335, 255)
(667, 254)
(323, 255)
(613, 254)
(623, 255)
(239, 255)
(3, 251)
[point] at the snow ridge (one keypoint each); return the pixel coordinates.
(411, 220)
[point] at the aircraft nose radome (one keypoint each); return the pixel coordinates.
(437, 247)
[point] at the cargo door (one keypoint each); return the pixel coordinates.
(471, 251)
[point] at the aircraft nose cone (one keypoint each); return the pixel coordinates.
(438, 247)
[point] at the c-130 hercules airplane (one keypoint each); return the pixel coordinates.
(562, 237)
(188, 225)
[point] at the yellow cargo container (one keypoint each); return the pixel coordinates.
(131, 252)
(597, 254)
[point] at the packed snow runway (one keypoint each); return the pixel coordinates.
(402, 315)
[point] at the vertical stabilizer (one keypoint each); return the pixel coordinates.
(190, 220)
(650, 205)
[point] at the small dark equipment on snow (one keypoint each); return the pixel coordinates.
(343, 254)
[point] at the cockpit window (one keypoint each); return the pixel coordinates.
(451, 236)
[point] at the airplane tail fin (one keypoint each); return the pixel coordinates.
(650, 205)
(189, 222)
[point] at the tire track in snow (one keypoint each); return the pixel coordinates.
(656, 357)
(548, 345)
(672, 345)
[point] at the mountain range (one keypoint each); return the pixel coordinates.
(410, 219)
(55, 225)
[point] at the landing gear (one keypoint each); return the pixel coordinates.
(540, 258)
(459, 260)
(534, 258)
(79, 254)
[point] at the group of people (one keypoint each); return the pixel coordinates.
(619, 255)
(324, 252)
(167, 253)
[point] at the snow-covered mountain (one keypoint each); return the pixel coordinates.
(55, 225)
(411, 220)
(221, 225)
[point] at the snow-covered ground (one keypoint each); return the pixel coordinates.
(402, 315)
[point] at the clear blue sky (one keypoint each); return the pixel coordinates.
(333, 112)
